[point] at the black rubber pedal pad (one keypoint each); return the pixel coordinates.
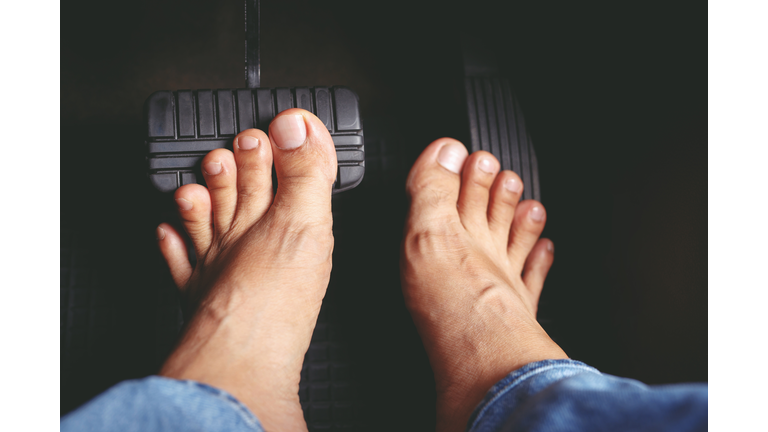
(497, 125)
(183, 126)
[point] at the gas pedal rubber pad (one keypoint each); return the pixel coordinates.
(496, 125)
(183, 126)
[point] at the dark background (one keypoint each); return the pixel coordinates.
(614, 95)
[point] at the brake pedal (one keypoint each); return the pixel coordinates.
(183, 126)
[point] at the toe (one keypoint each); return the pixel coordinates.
(537, 266)
(477, 177)
(253, 156)
(505, 194)
(529, 221)
(221, 177)
(175, 253)
(305, 163)
(435, 179)
(194, 203)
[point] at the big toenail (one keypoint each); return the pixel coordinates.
(246, 142)
(485, 166)
(513, 185)
(184, 204)
(537, 214)
(212, 168)
(289, 131)
(452, 156)
(160, 233)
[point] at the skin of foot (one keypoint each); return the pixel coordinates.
(472, 269)
(263, 265)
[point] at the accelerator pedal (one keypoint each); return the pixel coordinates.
(495, 120)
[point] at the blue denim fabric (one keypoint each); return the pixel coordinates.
(567, 395)
(551, 395)
(162, 404)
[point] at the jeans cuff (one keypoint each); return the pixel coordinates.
(512, 383)
(230, 400)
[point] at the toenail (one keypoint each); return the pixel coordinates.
(452, 156)
(537, 214)
(246, 142)
(550, 247)
(184, 204)
(513, 185)
(160, 233)
(212, 168)
(289, 131)
(486, 166)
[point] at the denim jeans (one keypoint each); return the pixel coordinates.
(550, 395)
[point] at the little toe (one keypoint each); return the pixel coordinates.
(477, 177)
(194, 204)
(505, 194)
(435, 180)
(221, 177)
(175, 253)
(527, 226)
(305, 163)
(253, 156)
(537, 266)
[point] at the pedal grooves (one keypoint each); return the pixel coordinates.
(183, 126)
(496, 125)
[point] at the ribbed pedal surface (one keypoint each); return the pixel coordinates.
(497, 126)
(183, 126)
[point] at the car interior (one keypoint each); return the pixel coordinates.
(600, 107)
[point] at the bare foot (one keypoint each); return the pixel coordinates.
(263, 265)
(467, 242)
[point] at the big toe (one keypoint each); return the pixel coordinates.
(305, 163)
(435, 179)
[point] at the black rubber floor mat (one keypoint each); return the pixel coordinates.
(86, 314)
(329, 385)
